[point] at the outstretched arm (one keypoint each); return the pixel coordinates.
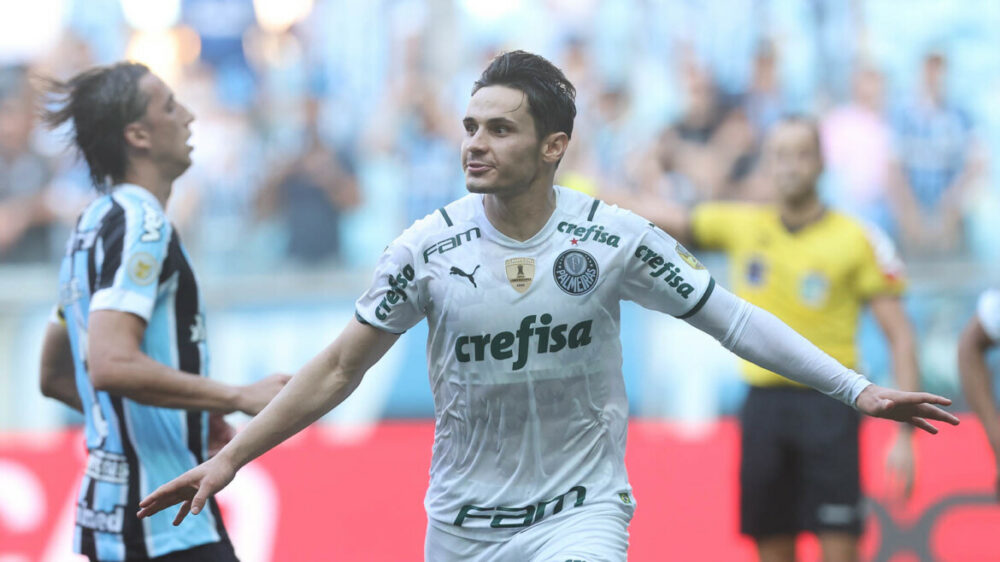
(758, 336)
(323, 383)
(118, 365)
(978, 384)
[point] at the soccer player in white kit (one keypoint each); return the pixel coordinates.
(520, 282)
(982, 333)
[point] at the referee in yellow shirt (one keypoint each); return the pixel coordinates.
(815, 269)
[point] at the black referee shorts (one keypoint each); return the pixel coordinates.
(799, 464)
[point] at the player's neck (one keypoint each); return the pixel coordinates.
(521, 216)
(798, 214)
(148, 178)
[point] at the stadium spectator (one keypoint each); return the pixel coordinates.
(938, 159)
(857, 151)
(25, 175)
(310, 193)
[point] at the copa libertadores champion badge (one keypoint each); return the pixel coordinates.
(520, 272)
(575, 271)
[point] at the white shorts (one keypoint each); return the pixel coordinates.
(597, 534)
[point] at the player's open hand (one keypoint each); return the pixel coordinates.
(914, 408)
(191, 489)
(254, 397)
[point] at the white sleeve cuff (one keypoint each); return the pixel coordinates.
(116, 298)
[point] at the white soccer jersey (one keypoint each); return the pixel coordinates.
(988, 311)
(524, 355)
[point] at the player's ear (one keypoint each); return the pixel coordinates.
(137, 135)
(554, 147)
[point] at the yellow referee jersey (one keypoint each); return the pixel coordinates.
(816, 279)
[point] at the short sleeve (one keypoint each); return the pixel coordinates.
(713, 224)
(392, 302)
(130, 253)
(660, 274)
(988, 313)
(881, 271)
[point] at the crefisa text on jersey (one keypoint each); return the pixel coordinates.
(452, 242)
(396, 292)
(594, 232)
(550, 340)
(659, 266)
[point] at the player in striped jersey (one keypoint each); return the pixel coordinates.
(981, 334)
(131, 324)
(521, 283)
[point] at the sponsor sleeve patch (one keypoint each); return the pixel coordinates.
(142, 268)
(688, 257)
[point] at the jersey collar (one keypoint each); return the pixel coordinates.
(140, 192)
(504, 240)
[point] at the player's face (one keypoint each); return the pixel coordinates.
(167, 123)
(793, 160)
(501, 152)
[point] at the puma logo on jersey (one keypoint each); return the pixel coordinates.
(548, 339)
(469, 276)
(152, 221)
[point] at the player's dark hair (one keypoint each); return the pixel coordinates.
(551, 97)
(100, 103)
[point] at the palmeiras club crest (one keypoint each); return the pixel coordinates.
(575, 271)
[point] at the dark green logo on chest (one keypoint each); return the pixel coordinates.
(594, 232)
(548, 339)
(452, 242)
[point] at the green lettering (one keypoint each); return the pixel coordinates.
(558, 337)
(467, 513)
(524, 514)
(685, 290)
(500, 347)
(580, 335)
(480, 343)
(460, 354)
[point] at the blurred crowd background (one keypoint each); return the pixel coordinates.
(323, 128)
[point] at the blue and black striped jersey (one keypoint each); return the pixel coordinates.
(125, 255)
